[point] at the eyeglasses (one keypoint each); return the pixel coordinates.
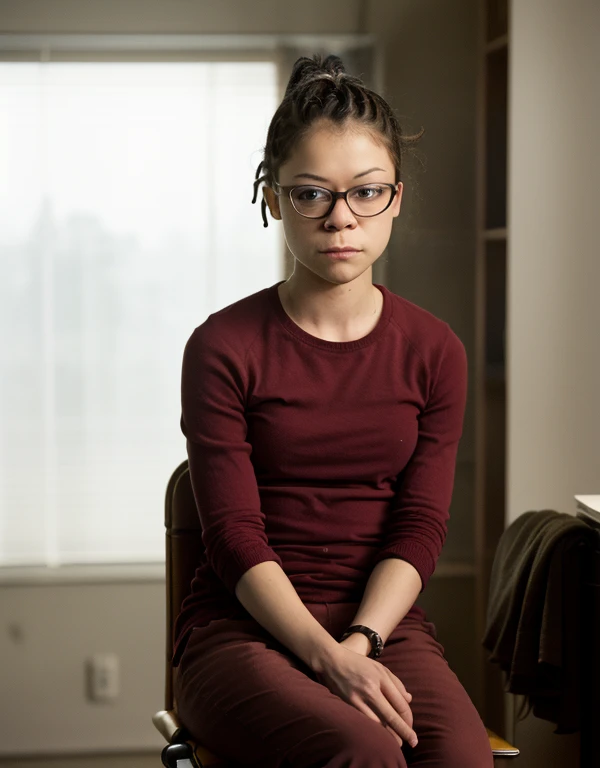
(318, 202)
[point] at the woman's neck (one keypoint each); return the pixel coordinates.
(343, 312)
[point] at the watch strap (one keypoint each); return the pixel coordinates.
(373, 636)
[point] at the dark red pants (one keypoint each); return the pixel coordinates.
(244, 696)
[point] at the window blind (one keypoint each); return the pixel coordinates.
(125, 219)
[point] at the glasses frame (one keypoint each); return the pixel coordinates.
(335, 196)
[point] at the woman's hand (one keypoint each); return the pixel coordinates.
(371, 688)
(268, 595)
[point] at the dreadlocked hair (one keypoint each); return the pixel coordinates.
(320, 88)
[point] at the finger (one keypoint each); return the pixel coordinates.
(398, 683)
(398, 702)
(399, 718)
(362, 707)
(394, 734)
(357, 702)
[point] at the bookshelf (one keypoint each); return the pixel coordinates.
(490, 327)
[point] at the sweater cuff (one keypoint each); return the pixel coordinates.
(238, 561)
(415, 554)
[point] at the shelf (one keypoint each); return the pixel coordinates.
(454, 569)
(496, 45)
(498, 233)
(91, 573)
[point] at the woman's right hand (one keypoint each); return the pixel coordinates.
(373, 689)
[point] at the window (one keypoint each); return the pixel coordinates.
(125, 219)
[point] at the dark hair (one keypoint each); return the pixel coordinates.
(320, 88)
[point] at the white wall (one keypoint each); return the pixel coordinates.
(553, 326)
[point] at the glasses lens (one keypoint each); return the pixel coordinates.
(311, 201)
(369, 199)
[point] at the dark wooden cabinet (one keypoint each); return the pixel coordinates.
(490, 325)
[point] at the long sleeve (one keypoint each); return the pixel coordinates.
(420, 509)
(213, 393)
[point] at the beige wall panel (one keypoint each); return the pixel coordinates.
(47, 634)
(179, 16)
(137, 760)
(553, 334)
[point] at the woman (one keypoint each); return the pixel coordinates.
(322, 417)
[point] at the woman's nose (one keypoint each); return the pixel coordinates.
(341, 216)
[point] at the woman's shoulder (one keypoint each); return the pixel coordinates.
(426, 332)
(438, 348)
(236, 325)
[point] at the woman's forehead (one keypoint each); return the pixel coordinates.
(327, 151)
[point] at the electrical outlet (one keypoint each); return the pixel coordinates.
(102, 677)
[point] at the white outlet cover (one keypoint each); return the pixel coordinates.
(103, 677)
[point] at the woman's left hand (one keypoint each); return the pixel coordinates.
(361, 644)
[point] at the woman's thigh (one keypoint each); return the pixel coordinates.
(241, 694)
(450, 731)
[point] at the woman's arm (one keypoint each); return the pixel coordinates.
(392, 589)
(213, 397)
(269, 596)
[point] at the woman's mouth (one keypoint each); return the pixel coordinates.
(341, 254)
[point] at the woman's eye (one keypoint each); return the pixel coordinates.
(369, 192)
(311, 194)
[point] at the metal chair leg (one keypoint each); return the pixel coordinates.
(179, 756)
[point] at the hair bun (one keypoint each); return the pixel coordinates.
(306, 69)
(333, 65)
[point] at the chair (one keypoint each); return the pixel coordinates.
(183, 539)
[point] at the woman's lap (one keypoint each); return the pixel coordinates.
(244, 696)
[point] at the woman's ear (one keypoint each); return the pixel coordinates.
(397, 201)
(272, 201)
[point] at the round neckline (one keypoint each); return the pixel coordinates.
(335, 346)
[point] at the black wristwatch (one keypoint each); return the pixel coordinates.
(374, 637)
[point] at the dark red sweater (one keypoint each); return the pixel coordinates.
(323, 456)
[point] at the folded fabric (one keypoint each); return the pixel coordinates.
(535, 612)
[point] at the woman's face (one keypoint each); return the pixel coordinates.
(337, 159)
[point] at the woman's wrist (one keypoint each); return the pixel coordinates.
(323, 656)
(358, 643)
(327, 655)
